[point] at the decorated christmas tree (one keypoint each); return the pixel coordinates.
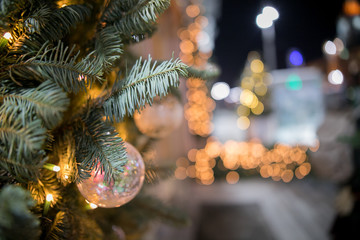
(69, 89)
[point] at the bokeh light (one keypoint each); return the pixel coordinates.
(192, 10)
(293, 82)
(257, 66)
(330, 48)
(336, 77)
(296, 58)
(271, 12)
(232, 177)
(220, 90)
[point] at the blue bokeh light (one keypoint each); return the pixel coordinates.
(295, 58)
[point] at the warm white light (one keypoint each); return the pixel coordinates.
(271, 12)
(49, 197)
(330, 48)
(336, 77)
(220, 90)
(56, 168)
(263, 21)
(92, 205)
(7, 35)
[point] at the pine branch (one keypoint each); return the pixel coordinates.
(11, 8)
(48, 102)
(47, 184)
(143, 83)
(24, 170)
(55, 232)
(58, 64)
(108, 47)
(21, 141)
(46, 24)
(65, 152)
(98, 146)
(210, 72)
(16, 221)
(141, 18)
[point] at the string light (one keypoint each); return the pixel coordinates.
(92, 205)
(49, 199)
(51, 167)
(7, 35)
(282, 162)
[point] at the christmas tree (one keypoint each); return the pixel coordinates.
(68, 88)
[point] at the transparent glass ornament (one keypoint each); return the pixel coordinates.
(122, 189)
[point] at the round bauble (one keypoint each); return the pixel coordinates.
(122, 189)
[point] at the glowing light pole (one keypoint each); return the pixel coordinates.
(265, 21)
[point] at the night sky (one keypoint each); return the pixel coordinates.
(303, 24)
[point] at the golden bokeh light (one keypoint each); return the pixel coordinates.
(247, 98)
(287, 175)
(260, 90)
(243, 123)
(257, 66)
(192, 10)
(243, 110)
(281, 163)
(259, 109)
(180, 173)
(232, 177)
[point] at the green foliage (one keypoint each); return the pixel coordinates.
(47, 101)
(57, 64)
(45, 24)
(47, 116)
(98, 146)
(209, 73)
(21, 146)
(140, 18)
(144, 82)
(16, 220)
(108, 47)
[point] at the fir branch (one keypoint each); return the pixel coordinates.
(58, 64)
(98, 146)
(12, 8)
(64, 150)
(48, 102)
(46, 24)
(55, 232)
(47, 184)
(108, 47)
(210, 72)
(16, 221)
(141, 18)
(143, 83)
(21, 141)
(24, 170)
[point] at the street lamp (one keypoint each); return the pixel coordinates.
(265, 21)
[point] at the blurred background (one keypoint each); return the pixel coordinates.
(268, 148)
